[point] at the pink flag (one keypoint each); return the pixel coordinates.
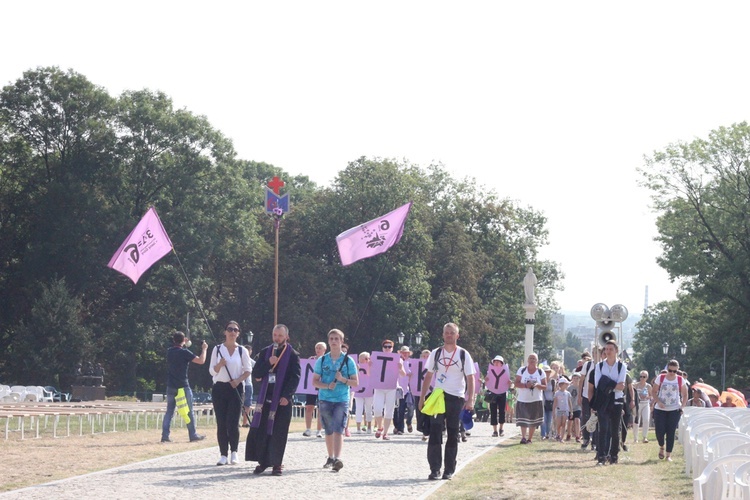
(142, 248)
(373, 237)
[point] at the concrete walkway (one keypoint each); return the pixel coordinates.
(372, 467)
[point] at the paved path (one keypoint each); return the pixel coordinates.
(386, 469)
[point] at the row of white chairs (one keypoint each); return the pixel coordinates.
(716, 443)
(24, 393)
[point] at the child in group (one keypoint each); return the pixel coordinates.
(562, 407)
(574, 422)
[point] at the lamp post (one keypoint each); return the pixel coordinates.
(417, 339)
(250, 337)
(665, 349)
(723, 369)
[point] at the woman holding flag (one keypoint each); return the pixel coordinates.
(230, 366)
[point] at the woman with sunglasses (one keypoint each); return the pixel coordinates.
(670, 396)
(384, 400)
(643, 392)
(230, 366)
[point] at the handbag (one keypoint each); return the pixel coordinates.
(489, 396)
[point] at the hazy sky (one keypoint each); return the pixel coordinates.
(552, 104)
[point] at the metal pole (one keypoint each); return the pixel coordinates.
(276, 284)
(724, 369)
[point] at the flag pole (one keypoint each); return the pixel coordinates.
(277, 223)
(190, 286)
(372, 294)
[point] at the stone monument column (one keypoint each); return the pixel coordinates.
(529, 305)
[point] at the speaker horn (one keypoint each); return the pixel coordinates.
(605, 337)
(599, 312)
(605, 328)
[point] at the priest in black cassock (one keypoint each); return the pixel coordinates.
(278, 370)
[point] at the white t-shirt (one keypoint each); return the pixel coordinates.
(612, 373)
(530, 395)
(585, 370)
(449, 376)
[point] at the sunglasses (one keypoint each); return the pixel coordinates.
(233, 329)
(387, 346)
(643, 376)
(672, 371)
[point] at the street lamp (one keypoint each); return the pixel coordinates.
(249, 336)
(723, 369)
(665, 348)
(417, 339)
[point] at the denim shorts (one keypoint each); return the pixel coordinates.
(333, 416)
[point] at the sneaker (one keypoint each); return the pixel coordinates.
(319, 434)
(669, 459)
(233, 458)
(166, 440)
(601, 462)
(259, 469)
(447, 475)
(369, 430)
(645, 440)
(347, 432)
(409, 428)
(222, 460)
(277, 470)
(197, 437)
(337, 465)
(500, 432)
(307, 433)
(434, 475)
(528, 441)
(329, 463)
(494, 434)
(523, 440)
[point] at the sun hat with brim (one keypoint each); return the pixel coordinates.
(467, 419)
(498, 358)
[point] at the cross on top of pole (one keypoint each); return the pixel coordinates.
(275, 184)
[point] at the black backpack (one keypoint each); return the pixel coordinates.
(604, 393)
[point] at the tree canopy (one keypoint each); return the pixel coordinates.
(78, 168)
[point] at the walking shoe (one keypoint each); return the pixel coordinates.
(197, 437)
(378, 433)
(494, 434)
(329, 463)
(523, 440)
(369, 430)
(319, 434)
(166, 440)
(307, 433)
(500, 432)
(601, 461)
(434, 475)
(337, 465)
(624, 447)
(613, 460)
(409, 428)
(277, 470)
(386, 437)
(222, 460)
(347, 432)
(528, 441)
(585, 443)
(259, 469)
(645, 440)
(233, 458)
(398, 433)
(447, 475)
(463, 438)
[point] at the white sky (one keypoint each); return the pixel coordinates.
(552, 104)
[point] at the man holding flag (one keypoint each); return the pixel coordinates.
(178, 360)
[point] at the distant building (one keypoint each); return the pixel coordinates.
(557, 322)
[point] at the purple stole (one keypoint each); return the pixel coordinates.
(280, 371)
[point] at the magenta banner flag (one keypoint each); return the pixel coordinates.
(497, 380)
(146, 244)
(373, 237)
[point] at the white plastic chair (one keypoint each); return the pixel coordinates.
(47, 396)
(696, 437)
(701, 416)
(4, 391)
(719, 445)
(33, 394)
(717, 479)
(742, 479)
(741, 449)
(20, 391)
(740, 417)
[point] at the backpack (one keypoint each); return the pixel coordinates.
(462, 355)
(661, 384)
(539, 371)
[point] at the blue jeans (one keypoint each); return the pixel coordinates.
(171, 405)
(333, 416)
(547, 424)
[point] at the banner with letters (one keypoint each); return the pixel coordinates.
(497, 380)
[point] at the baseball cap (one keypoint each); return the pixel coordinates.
(499, 358)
